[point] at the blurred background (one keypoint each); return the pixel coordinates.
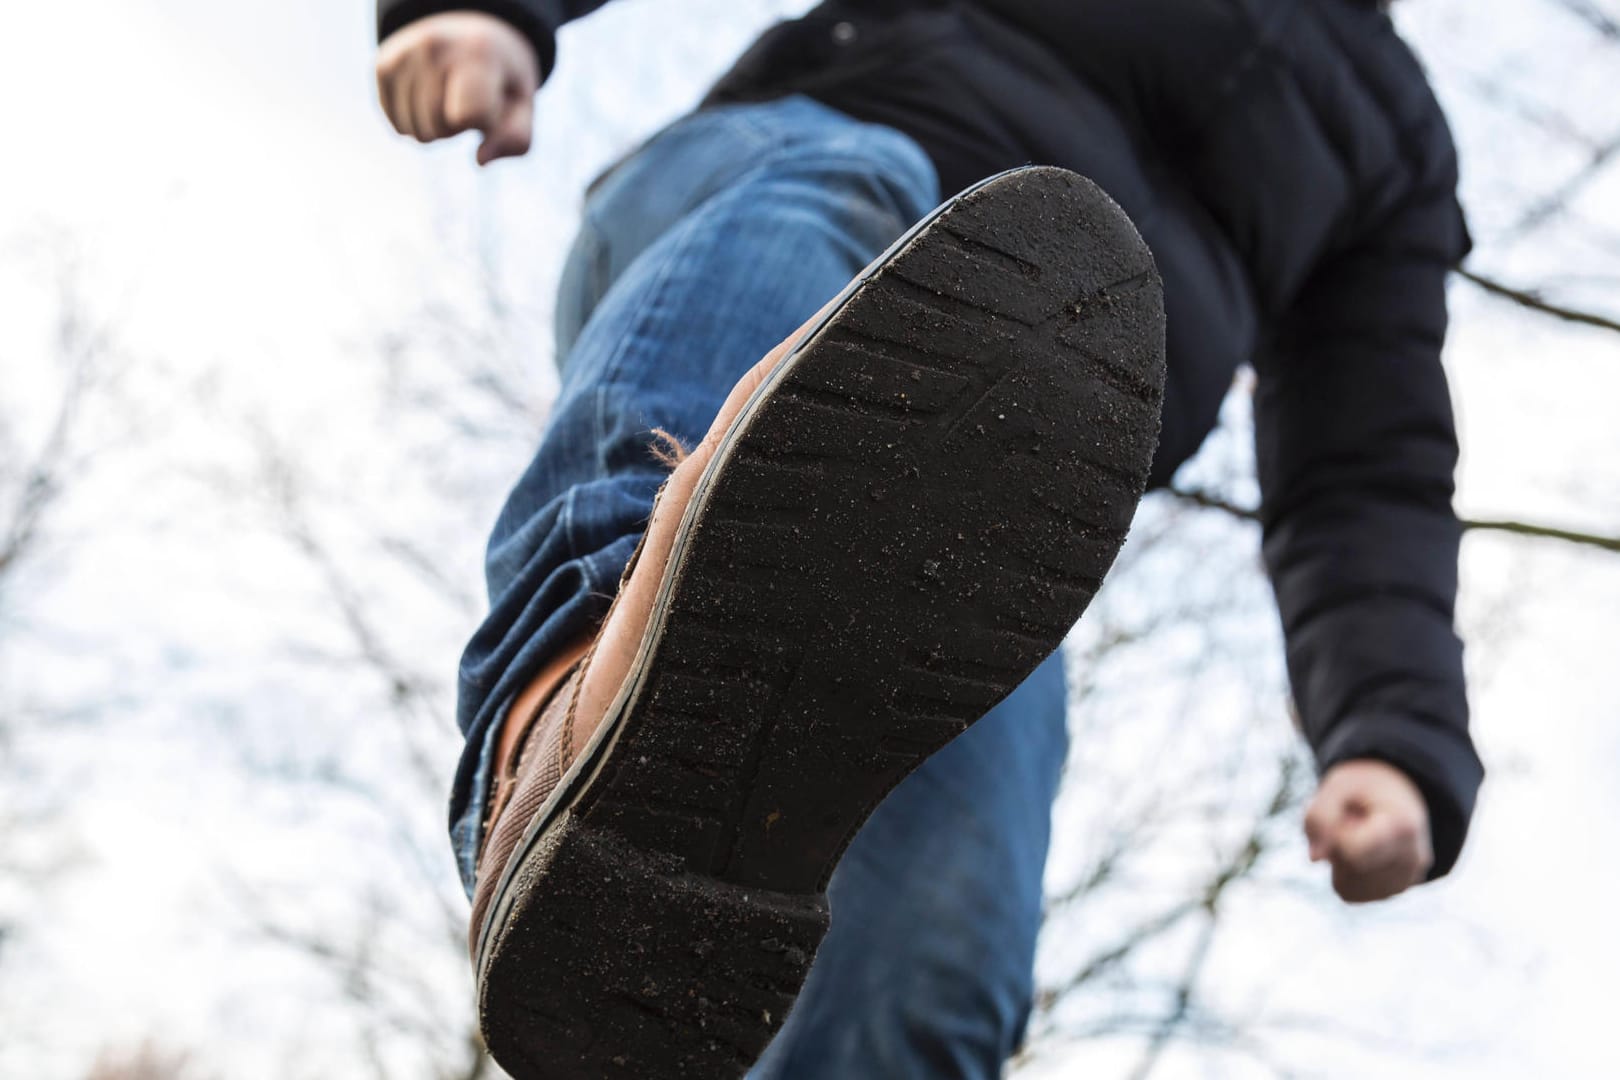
(266, 371)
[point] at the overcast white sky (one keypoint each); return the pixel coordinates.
(242, 217)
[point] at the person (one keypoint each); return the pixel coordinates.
(886, 525)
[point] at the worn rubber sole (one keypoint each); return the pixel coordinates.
(906, 519)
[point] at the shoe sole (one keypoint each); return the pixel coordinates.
(906, 519)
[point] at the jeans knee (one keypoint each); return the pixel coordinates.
(749, 171)
(895, 172)
(879, 182)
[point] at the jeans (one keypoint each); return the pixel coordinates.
(696, 255)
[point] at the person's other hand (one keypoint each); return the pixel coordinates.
(461, 71)
(1370, 821)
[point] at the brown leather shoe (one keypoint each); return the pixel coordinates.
(896, 517)
(537, 745)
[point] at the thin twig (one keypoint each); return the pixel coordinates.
(1534, 301)
(1165, 1030)
(1589, 13)
(1211, 501)
(1556, 202)
(1546, 532)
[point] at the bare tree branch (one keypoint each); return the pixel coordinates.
(1548, 532)
(1534, 301)
(1167, 1027)
(1183, 1018)
(1549, 121)
(1128, 945)
(1557, 201)
(81, 349)
(1239, 867)
(1593, 16)
(393, 1006)
(1212, 501)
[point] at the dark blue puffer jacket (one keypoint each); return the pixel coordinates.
(1288, 164)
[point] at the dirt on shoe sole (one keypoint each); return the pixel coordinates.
(908, 517)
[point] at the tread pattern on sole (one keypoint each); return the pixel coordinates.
(906, 524)
(696, 991)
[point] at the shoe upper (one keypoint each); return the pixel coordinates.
(539, 743)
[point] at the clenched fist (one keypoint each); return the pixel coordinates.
(461, 71)
(1370, 821)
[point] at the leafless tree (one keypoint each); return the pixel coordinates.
(55, 428)
(395, 957)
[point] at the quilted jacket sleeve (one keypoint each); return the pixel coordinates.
(1357, 445)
